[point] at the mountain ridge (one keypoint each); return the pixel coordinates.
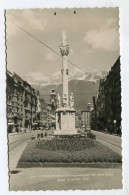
(40, 79)
(83, 88)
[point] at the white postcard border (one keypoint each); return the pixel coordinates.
(124, 52)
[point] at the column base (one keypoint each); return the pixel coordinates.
(65, 132)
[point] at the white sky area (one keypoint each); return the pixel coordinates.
(92, 34)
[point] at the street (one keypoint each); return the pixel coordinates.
(111, 141)
(58, 178)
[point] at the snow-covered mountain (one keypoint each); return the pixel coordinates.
(37, 78)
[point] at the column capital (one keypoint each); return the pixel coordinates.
(64, 49)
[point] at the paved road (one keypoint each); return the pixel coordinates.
(57, 178)
(111, 141)
(21, 136)
(17, 144)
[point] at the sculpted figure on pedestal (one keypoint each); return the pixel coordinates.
(71, 100)
(58, 101)
(64, 100)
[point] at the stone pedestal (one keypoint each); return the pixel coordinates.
(88, 128)
(65, 121)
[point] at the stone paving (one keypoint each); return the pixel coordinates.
(66, 179)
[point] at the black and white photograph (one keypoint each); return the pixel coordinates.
(63, 96)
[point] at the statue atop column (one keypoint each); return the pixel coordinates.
(71, 100)
(64, 38)
(64, 47)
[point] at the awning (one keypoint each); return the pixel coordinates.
(34, 124)
(10, 123)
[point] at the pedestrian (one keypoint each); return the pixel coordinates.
(106, 129)
(41, 135)
(13, 129)
(38, 136)
(111, 128)
(19, 129)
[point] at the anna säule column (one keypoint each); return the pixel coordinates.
(65, 111)
(64, 50)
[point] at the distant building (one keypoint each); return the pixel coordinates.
(53, 100)
(78, 120)
(42, 113)
(45, 114)
(21, 103)
(85, 118)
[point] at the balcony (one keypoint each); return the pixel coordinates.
(10, 116)
(27, 117)
(27, 108)
(15, 114)
(9, 103)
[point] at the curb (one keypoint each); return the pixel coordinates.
(21, 133)
(83, 165)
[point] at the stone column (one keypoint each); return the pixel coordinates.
(65, 77)
(64, 50)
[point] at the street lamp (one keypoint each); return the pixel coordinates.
(114, 122)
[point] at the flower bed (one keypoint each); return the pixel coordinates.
(66, 144)
(46, 154)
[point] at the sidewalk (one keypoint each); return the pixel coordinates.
(66, 179)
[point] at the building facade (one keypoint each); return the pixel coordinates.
(107, 103)
(113, 98)
(21, 103)
(101, 101)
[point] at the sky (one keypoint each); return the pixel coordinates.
(92, 34)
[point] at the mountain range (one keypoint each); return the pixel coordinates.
(83, 85)
(37, 78)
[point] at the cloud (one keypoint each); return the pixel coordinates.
(106, 38)
(71, 51)
(108, 23)
(36, 76)
(40, 78)
(28, 17)
(51, 57)
(35, 21)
